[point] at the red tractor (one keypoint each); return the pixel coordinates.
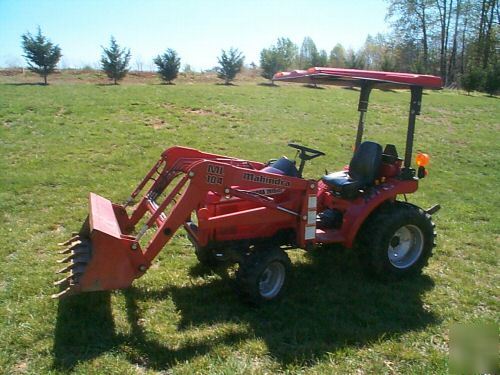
(249, 213)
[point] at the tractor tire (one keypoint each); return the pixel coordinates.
(206, 256)
(263, 275)
(397, 241)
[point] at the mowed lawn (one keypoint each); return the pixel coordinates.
(60, 142)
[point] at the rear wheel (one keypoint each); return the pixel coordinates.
(397, 241)
(263, 275)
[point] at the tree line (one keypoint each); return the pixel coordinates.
(455, 39)
(43, 56)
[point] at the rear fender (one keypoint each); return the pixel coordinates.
(358, 211)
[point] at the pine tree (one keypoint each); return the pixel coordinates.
(472, 80)
(230, 64)
(114, 61)
(168, 65)
(42, 56)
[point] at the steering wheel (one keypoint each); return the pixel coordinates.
(306, 153)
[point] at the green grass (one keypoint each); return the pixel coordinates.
(60, 142)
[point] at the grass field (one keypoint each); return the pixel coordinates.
(60, 142)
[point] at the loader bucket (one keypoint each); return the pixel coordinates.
(100, 257)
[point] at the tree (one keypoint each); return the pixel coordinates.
(230, 64)
(114, 61)
(387, 64)
(168, 65)
(411, 28)
(308, 52)
(492, 80)
(445, 37)
(337, 56)
(277, 58)
(42, 56)
(472, 80)
(270, 63)
(355, 60)
(288, 51)
(319, 59)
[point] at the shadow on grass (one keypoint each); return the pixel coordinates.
(267, 84)
(313, 86)
(392, 91)
(85, 329)
(330, 305)
(351, 88)
(491, 96)
(225, 84)
(27, 84)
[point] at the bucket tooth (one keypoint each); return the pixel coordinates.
(72, 245)
(66, 269)
(72, 239)
(81, 254)
(68, 258)
(76, 247)
(76, 260)
(72, 279)
(65, 251)
(64, 281)
(66, 292)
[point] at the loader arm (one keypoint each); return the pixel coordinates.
(105, 255)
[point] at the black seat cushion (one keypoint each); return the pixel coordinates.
(342, 184)
(363, 169)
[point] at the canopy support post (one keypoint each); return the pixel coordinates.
(415, 105)
(364, 96)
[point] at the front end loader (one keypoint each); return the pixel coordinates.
(229, 198)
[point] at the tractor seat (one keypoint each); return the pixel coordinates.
(363, 169)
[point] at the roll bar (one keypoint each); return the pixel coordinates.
(415, 106)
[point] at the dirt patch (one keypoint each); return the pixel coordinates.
(156, 123)
(20, 368)
(189, 110)
(57, 228)
(200, 111)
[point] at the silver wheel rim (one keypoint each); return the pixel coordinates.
(405, 246)
(271, 280)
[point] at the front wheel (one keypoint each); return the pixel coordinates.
(263, 275)
(397, 241)
(206, 256)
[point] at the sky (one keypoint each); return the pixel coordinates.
(196, 29)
